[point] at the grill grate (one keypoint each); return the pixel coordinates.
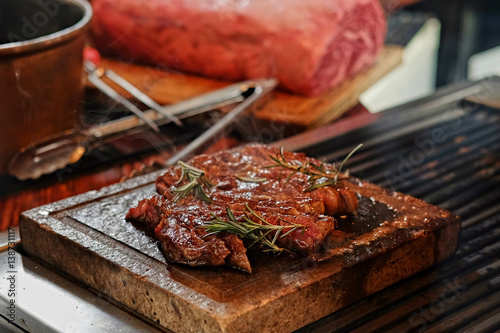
(449, 161)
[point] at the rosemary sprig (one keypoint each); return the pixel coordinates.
(250, 179)
(314, 171)
(247, 228)
(195, 181)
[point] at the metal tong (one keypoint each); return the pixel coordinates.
(94, 74)
(56, 153)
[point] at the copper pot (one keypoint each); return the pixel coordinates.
(41, 64)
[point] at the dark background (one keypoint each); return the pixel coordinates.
(467, 27)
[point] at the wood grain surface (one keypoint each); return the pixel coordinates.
(168, 87)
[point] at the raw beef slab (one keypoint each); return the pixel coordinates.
(309, 46)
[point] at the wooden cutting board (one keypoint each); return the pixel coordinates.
(87, 238)
(169, 87)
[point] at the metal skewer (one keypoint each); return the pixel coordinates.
(148, 101)
(255, 91)
(92, 59)
(95, 79)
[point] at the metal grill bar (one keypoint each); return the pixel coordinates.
(480, 197)
(488, 323)
(454, 323)
(384, 132)
(399, 304)
(484, 215)
(461, 162)
(405, 147)
(477, 254)
(471, 185)
(463, 299)
(386, 150)
(451, 160)
(461, 174)
(383, 310)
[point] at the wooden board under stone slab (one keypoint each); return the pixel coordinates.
(301, 111)
(87, 238)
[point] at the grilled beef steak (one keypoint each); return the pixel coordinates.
(242, 180)
(175, 227)
(309, 46)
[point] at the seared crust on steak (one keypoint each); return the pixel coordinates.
(188, 245)
(250, 161)
(308, 240)
(176, 229)
(176, 225)
(148, 213)
(238, 256)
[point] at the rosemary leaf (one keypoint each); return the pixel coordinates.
(251, 180)
(314, 172)
(288, 232)
(251, 211)
(349, 156)
(290, 176)
(318, 167)
(257, 233)
(195, 181)
(315, 186)
(186, 187)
